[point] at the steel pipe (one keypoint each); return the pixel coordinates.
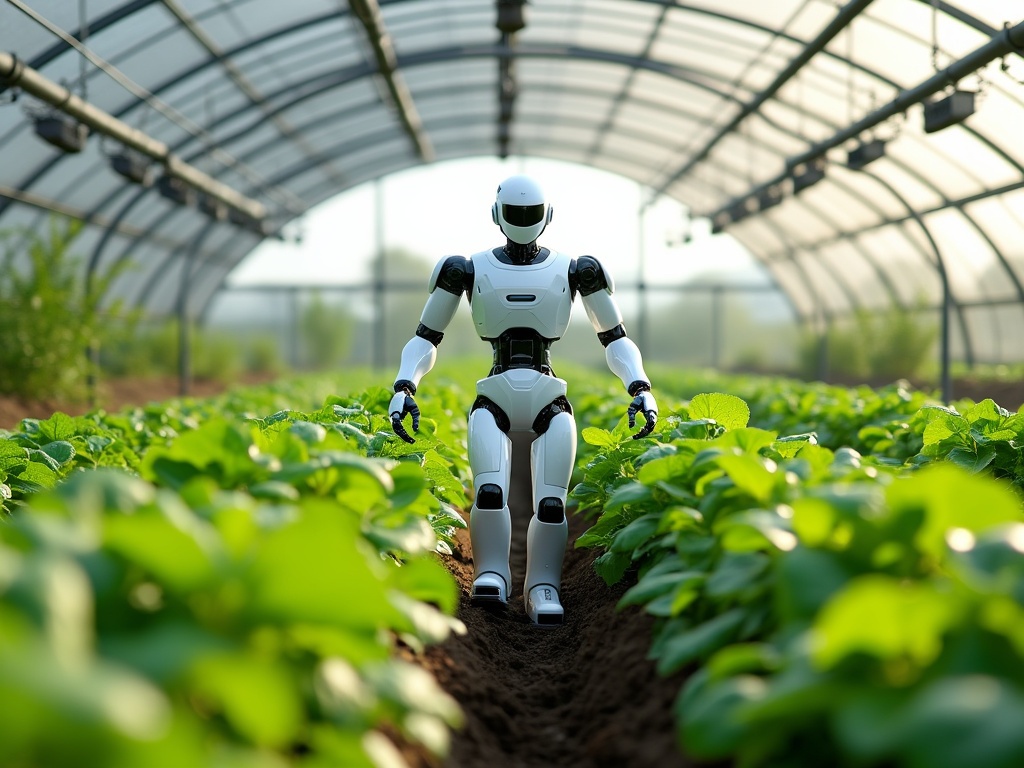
(17, 74)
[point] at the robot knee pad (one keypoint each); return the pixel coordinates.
(489, 496)
(551, 510)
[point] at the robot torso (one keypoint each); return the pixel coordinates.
(534, 296)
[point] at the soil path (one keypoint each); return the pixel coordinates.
(582, 695)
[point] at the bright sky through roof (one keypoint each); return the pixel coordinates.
(444, 209)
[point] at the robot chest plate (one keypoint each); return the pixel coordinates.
(521, 296)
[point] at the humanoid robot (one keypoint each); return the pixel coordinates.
(521, 296)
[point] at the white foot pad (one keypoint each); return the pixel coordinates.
(543, 606)
(490, 587)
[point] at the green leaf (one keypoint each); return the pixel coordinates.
(737, 572)
(257, 696)
(173, 553)
(883, 617)
(60, 451)
(12, 455)
(650, 587)
(275, 490)
(33, 478)
(952, 498)
(707, 717)
(943, 425)
(611, 566)
(58, 427)
(311, 571)
(751, 474)
(665, 469)
(602, 438)
(700, 641)
(964, 722)
(309, 433)
(973, 461)
(628, 495)
(635, 534)
(727, 410)
(755, 529)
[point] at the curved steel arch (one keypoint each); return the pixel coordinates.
(633, 62)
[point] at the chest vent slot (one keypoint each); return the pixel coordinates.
(521, 297)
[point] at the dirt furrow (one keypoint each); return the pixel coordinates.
(579, 696)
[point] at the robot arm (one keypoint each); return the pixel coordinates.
(452, 276)
(623, 356)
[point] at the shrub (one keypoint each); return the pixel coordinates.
(51, 317)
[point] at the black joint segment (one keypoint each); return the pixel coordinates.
(500, 417)
(552, 409)
(453, 274)
(405, 384)
(487, 592)
(489, 496)
(636, 387)
(588, 276)
(551, 510)
(434, 337)
(553, 619)
(607, 337)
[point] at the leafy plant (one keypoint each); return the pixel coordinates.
(241, 600)
(829, 608)
(50, 315)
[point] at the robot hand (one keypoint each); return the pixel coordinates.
(643, 403)
(401, 404)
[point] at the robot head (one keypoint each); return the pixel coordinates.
(520, 209)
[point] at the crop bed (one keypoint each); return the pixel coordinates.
(782, 574)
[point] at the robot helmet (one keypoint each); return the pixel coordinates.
(520, 209)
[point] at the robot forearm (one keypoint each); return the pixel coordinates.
(418, 357)
(625, 361)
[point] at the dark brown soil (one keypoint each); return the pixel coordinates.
(582, 695)
(111, 395)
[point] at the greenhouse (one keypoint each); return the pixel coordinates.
(221, 223)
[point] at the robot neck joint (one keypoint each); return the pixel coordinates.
(519, 253)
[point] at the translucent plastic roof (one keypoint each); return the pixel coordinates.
(716, 104)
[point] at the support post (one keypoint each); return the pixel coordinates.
(379, 337)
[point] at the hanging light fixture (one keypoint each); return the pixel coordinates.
(66, 134)
(806, 174)
(132, 166)
(511, 16)
(864, 153)
(955, 108)
(176, 189)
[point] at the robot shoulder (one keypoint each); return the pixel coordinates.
(453, 274)
(587, 275)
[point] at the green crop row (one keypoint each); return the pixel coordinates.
(828, 607)
(194, 584)
(224, 582)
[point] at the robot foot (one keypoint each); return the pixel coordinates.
(543, 607)
(490, 588)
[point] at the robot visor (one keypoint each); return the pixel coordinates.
(522, 215)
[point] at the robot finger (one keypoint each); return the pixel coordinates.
(651, 417)
(633, 410)
(414, 410)
(399, 428)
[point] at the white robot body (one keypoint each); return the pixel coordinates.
(521, 393)
(521, 299)
(534, 296)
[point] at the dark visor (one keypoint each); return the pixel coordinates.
(522, 215)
